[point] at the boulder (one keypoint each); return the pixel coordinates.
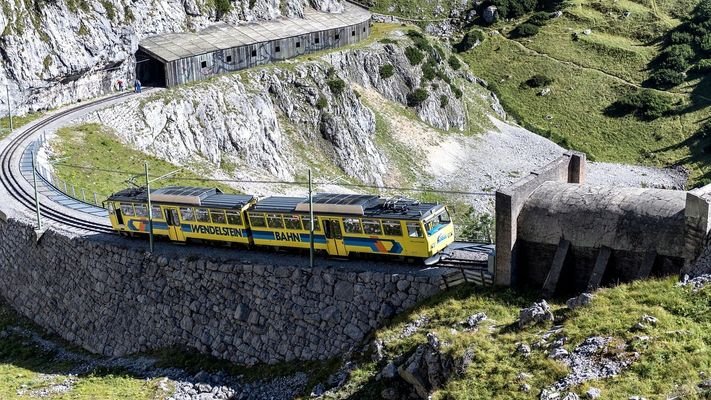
(537, 313)
(489, 14)
(582, 300)
(426, 369)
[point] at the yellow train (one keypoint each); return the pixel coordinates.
(343, 223)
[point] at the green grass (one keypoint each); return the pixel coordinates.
(17, 122)
(671, 361)
(94, 159)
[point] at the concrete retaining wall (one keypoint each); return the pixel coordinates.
(115, 299)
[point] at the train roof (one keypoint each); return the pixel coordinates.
(184, 195)
(350, 204)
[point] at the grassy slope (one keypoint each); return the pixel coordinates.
(671, 361)
(98, 162)
(590, 74)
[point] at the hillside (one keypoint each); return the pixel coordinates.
(595, 54)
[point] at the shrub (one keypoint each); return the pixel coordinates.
(677, 57)
(420, 41)
(321, 103)
(539, 80)
(525, 30)
(414, 56)
(471, 39)
(429, 70)
(222, 7)
(703, 11)
(337, 85)
(455, 63)
(457, 91)
(443, 101)
(386, 71)
(706, 43)
(681, 38)
(417, 97)
(387, 41)
(646, 104)
(540, 18)
(666, 78)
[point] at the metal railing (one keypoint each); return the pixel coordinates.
(68, 189)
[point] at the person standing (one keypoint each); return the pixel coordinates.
(120, 85)
(138, 86)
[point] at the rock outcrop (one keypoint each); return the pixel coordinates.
(57, 52)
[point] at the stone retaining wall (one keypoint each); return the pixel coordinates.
(115, 299)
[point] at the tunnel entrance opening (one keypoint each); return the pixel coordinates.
(149, 70)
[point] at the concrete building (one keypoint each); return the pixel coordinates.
(178, 58)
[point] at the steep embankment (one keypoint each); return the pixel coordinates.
(54, 52)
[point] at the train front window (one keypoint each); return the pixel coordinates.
(392, 228)
(444, 217)
(352, 225)
(127, 210)
(234, 218)
(292, 222)
(157, 212)
(187, 214)
(414, 230)
(218, 216)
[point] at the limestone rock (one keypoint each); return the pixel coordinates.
(490, 14)
(537, 313)
(582, 300)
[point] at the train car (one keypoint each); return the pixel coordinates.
(346, 224)
(182, 214)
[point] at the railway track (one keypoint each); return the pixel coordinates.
(11, 176)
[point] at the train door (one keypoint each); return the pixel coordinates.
(334, 237)
(175, 231)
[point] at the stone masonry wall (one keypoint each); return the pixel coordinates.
(114, 299)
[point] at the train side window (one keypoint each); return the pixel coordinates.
(141, 210)
(157, 212)
(234, 218)
(127, 210)
(352, 225)
(372, 227)
(414, 230)
(218, 217)
(187, 214)
(307, 224)
(392, 228)
(202, 215)
(292, 222)
(275, 221)
(257, 219)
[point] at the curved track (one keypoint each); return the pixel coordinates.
(11, 177)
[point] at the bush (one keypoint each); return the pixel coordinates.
(222, 7)
(455, 63)
(706, 43)
(540, 18)
(703, 11)
(414, 56)
(443, 101)
(336, 85)
(677, 57)
(321, 103)
(666, 78)
(429, 70)
(386, 71)
(417, 97)
(457, 91)
(681, 38)
(646, 104)
(387, 41)
(471, 39)
(539, 80)
(525, 30)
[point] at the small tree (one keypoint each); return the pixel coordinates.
(539, 80)
(540, 18)
(414, 56)
(417, 97)
(222, 7)
(386, 71)
(443, 101)
(666, 78)
(471, 39)
(321, 103)
(337, 85)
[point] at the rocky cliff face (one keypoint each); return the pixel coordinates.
(53, 52)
